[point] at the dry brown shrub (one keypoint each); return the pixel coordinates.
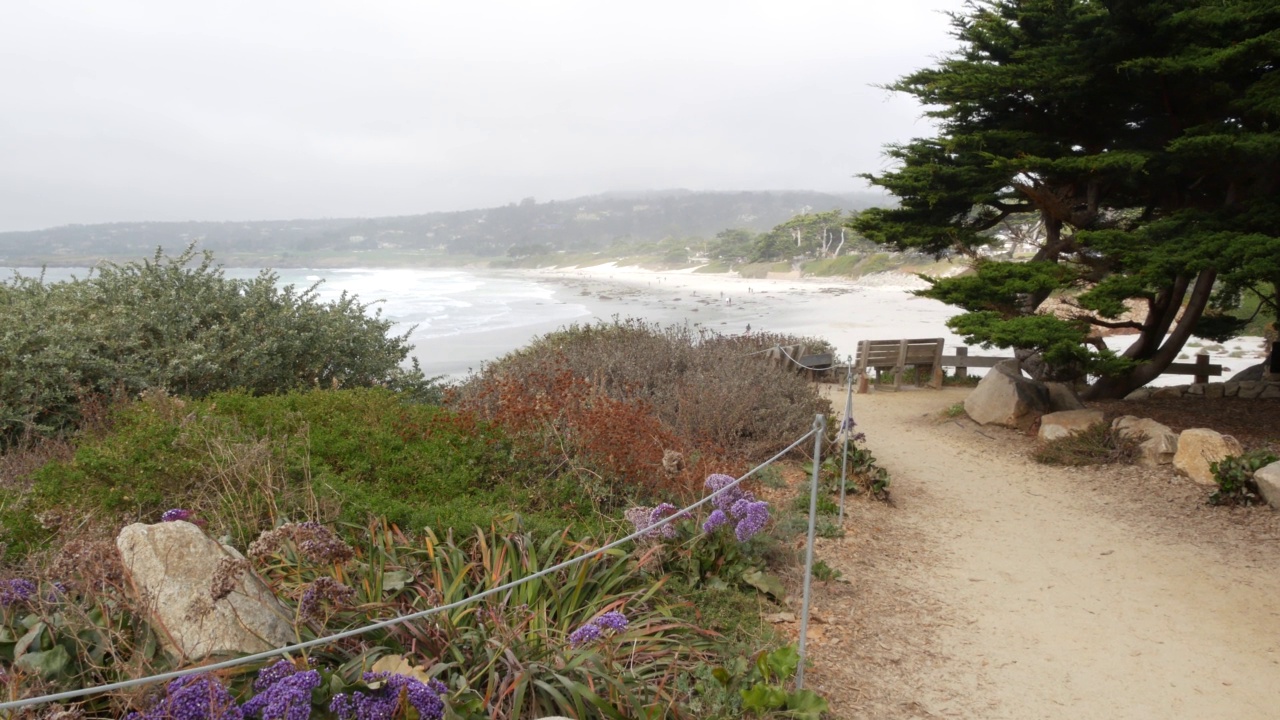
(635, 390)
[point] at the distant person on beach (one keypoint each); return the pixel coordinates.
(748, 332)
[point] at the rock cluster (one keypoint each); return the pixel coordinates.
(1008, 398)
(1244, 389)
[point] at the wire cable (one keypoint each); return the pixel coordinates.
(389, 622)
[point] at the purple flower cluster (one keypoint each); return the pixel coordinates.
(194, 697)
(383, 702)
(717, 519)
(752, 517)
(737, 506)
(16, 590)
(284, 693)
(175, 515)
(725, 500)
(610, 623)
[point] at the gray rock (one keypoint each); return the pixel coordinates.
(172, 567)
(1195, 389)
(1250, 390)
(1007, 397)
(1063, 397)
(1214, 391)
(1141, 393)
(1173, 391)
(1253, 372)
(1270, 391)
(1198, 447)
(1268, 479)
(1230, 389)
(1063, 424)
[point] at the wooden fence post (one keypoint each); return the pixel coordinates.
(1202, 368)
(962, 371)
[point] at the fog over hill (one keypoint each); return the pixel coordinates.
(579, 224)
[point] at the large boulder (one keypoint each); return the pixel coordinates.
(1198, 448)
(1057, 425)
(1253, 372)
(1268, 479)
(1158, 444)
(1007, 397)
(203, 598)
(1063, 397)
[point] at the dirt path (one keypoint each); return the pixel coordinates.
(999, 588)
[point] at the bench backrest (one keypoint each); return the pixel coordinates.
(889, 353)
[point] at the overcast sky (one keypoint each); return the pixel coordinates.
(126, 110)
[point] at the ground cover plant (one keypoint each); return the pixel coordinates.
(246, 462)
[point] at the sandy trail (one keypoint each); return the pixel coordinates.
(1000, 588)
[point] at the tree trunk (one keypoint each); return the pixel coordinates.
(1165, 352)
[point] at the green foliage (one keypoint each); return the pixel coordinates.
(843, 266)
(1234, 476)
(826, 506)
(510, 652)
(1098, 444)
(245, 462)
(178, 324)
(768, 693)
(868, 475)
(823, 571)
(1137, 139)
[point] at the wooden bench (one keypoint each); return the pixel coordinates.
(896, 356)
(794, 357)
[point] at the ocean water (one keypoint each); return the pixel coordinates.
(458, 318)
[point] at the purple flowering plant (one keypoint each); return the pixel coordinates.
(722, 547)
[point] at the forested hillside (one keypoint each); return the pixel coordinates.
(581, 224)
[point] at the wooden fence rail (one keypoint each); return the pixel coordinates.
(1201, 369)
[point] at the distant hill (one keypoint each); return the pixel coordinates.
(581, 224)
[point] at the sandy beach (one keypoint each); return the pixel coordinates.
(839, 310)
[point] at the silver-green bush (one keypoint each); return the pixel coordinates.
(178, 323)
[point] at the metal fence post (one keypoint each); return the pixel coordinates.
(846, 428)
(819, 425)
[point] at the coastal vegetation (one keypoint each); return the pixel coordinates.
(1131, 146)
(178, 323)
(370, 492)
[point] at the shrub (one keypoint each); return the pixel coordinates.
(712, 397)
(1096, 445)
(180, 325)
(1234, 476)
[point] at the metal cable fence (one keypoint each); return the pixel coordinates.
(817, 433)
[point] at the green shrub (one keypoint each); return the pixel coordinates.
(1234, 476)
(180, 325)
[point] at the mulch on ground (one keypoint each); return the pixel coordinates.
(1255, 423)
